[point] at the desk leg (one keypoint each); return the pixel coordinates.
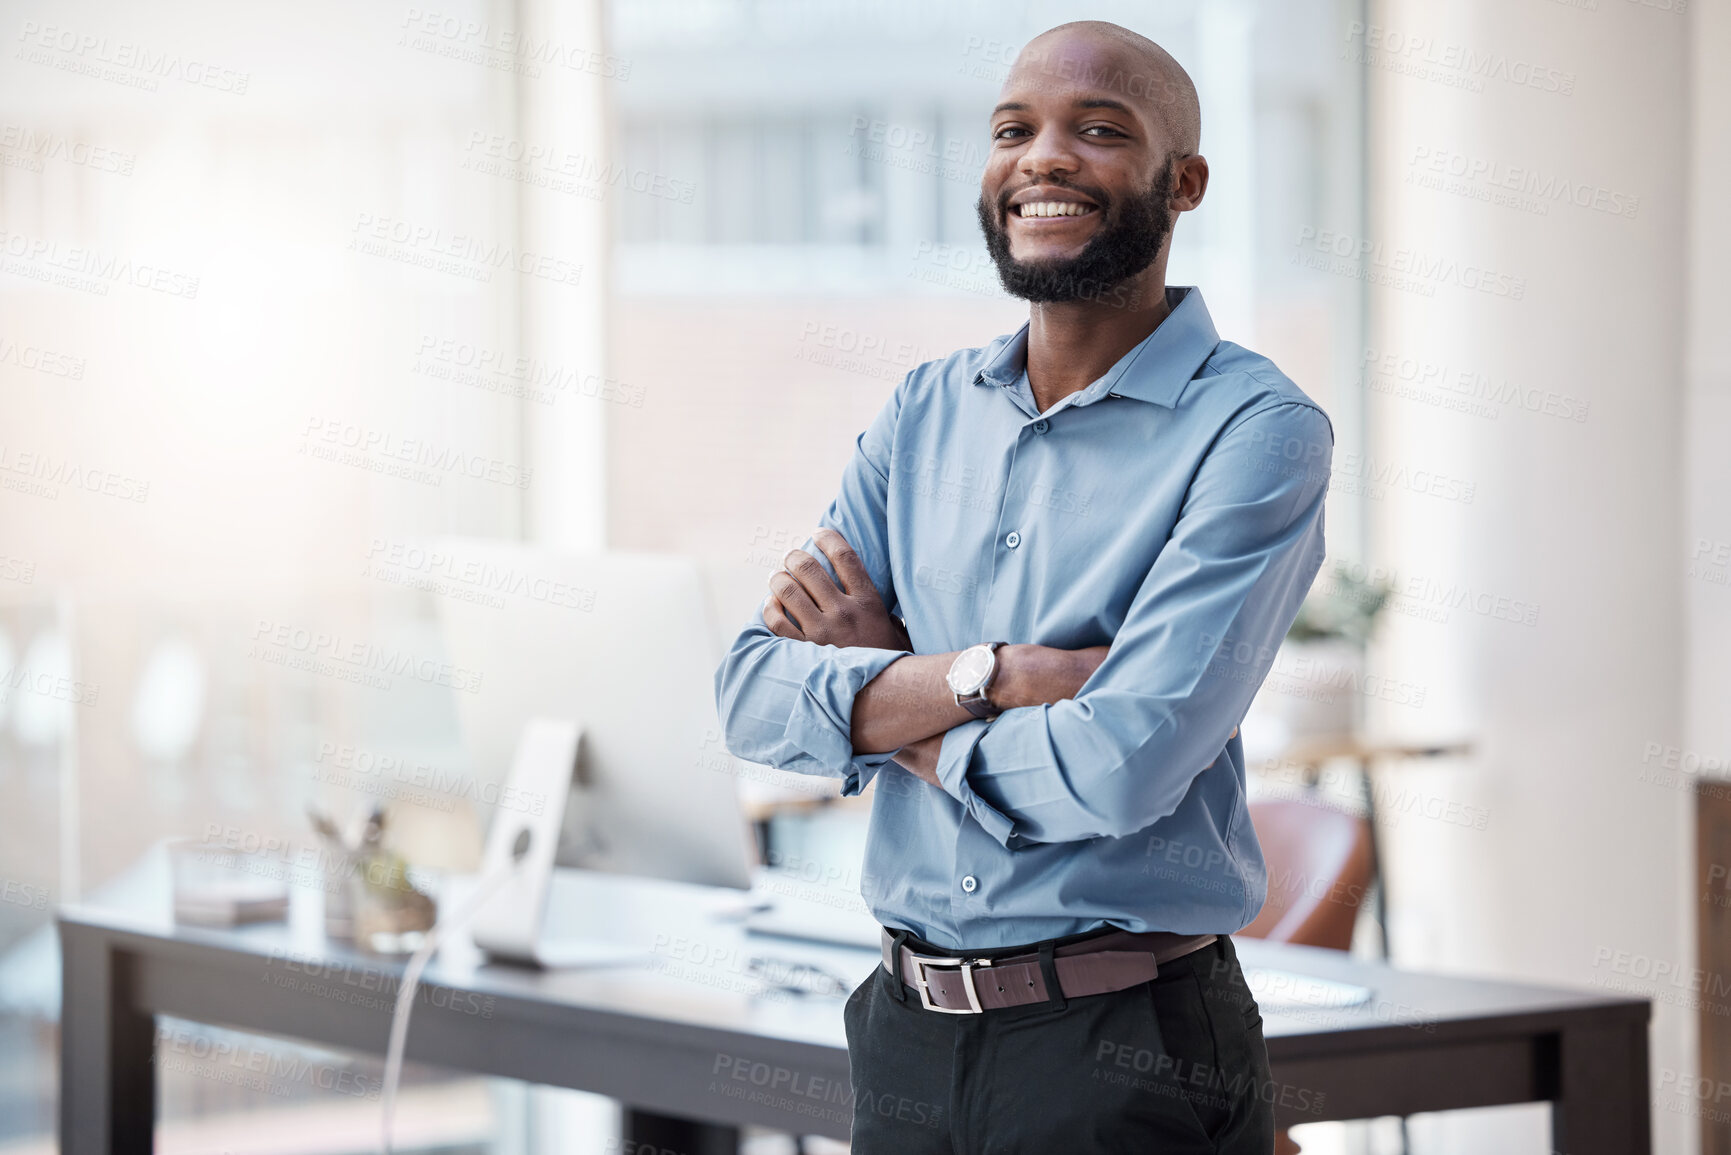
(1367, 794)
(652, 1132)
(1601, 1106)
(107, 1053)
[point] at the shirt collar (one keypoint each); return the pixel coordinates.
(1156, 370)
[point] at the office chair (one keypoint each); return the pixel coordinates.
(1319, 872)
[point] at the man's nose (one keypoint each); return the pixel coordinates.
(1049, 153)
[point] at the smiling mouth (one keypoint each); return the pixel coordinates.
(1033, 209)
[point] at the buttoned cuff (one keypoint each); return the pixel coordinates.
(954, 757)
(820, 723)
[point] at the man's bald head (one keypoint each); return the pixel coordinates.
(1110, 56)
(1094, 153)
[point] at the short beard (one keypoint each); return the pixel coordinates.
(1125, 245)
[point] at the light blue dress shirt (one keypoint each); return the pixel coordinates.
(1172, 509)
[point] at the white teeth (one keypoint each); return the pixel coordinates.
(1053, 209)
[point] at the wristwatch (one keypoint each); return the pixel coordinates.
(971, 676)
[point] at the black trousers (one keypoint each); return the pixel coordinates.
(1171, 1067)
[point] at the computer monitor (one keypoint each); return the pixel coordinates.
(621, 644)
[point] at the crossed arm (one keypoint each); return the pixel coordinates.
(1091, 744)
(908, 707)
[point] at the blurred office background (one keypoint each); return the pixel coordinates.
(641, 291)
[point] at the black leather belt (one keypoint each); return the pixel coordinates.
(968, 985)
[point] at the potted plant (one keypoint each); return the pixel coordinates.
(369, 898)
(1316, 684)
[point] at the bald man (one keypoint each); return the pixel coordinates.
(1056, 573)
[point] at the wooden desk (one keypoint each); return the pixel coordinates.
(690, 1040)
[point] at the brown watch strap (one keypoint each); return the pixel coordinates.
(980, 706)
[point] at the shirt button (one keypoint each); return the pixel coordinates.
(1012, 539)
(1042, 425)
(970, 884)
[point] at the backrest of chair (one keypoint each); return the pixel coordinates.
(1319, 872)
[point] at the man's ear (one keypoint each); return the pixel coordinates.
(1189, 182)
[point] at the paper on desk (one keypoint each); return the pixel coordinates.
(1285, 990)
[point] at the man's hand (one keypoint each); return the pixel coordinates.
(804, 604)
(921, 758)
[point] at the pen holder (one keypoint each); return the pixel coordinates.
(389, 915)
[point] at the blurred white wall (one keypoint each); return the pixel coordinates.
(1705, 550)
(566, 112)
(1707, 512)
(1482, 111)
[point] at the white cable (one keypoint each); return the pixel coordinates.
(412, 981)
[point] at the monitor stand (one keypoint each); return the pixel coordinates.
(509, 928)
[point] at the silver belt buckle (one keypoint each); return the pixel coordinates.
(966, 965)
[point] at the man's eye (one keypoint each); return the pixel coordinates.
(1005, 132)
(1103, 130)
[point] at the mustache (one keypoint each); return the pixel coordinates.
(1094, 193)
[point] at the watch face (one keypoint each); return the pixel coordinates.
(968, 673)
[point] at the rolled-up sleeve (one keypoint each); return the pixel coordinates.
(1199, 638)
(788, 703)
